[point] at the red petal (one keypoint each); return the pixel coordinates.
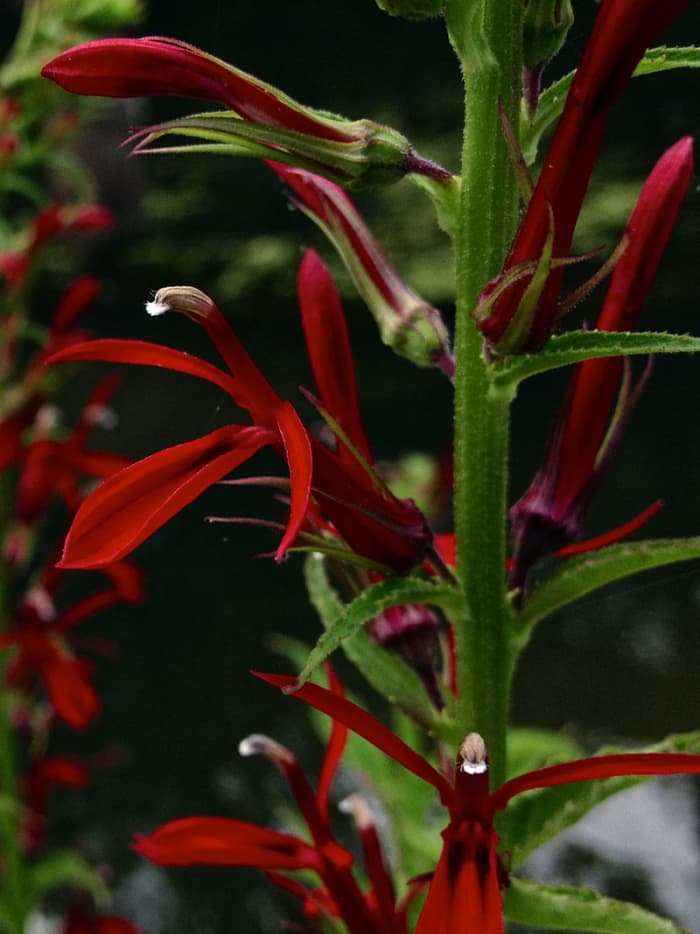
(465, 893)
(594, 767)
(131, 505)
(143, 353)
(334, 749)
(298, 450)
(328, 345)
(614, 535)
(366, 726)
(224, 842)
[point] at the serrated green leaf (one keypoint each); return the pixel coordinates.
(532, 819)
(582, 574)
(384, 671)
(395, 591)
(65, 868)
(576, 346)
(564, 907)
(551, 102)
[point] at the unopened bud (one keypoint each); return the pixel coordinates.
(473, 756)
(545, 28)
(182, 298)
(412, 633)
(412, 9)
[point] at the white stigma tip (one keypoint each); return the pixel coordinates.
(156, 308)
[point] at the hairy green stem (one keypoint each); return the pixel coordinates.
(490, 56)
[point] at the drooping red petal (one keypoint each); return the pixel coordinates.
(334, 749)
(366, 726)
(131, 505)
(298, 451)
(77, 298)
(595, 767)
(330, 354)
(224, 842)
(143, 353)
(73, 697)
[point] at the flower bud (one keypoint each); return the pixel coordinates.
(412, 633)
(412, 9)
(545, 27)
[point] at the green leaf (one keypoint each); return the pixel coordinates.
(576, 346)
(65, 868)
(395, 591)
(384, 671)
(530, 749)
(582, 574)
(533, 818)
(551, 102)
(573, 909)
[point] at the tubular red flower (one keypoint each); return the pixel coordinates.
(551, 512)
(623, 30)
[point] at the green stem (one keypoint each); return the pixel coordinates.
(10, 843)
(487, 37)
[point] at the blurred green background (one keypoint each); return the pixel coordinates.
(617, 666)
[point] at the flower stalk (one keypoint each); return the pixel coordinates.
(487, 221)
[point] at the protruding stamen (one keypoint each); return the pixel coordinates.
(257, 744)
(183, 298)
(473, 756)
(358, 808)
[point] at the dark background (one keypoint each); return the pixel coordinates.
(621, 665)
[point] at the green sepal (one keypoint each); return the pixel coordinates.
(551, 101)
(534, 818)
(577, 346)
(530, 749)
(565, 907)
(395, 591)
(384, 671)
(65, 868)
(582, 574)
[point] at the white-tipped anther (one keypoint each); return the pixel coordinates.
(156, 308)
(358, 808)
(473, 757)
(257, 744)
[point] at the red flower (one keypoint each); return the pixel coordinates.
(221, 841)
(514, 321)
(351, 151)
(56, 770)
(130, 506)
(552, 511)
(469, 876)
(46, 647)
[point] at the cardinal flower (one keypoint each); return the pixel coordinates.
(134, 503)
(552, 511)
(221, 841)
(465, 890)
(261, 120)
(519, 310)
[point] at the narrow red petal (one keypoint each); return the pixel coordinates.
(298, 451)
(224, 842)
(334, 749)
(366, 726)
(614, 535)
(132, 504)
(143, 353)
(328, 345)
(595, 767)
